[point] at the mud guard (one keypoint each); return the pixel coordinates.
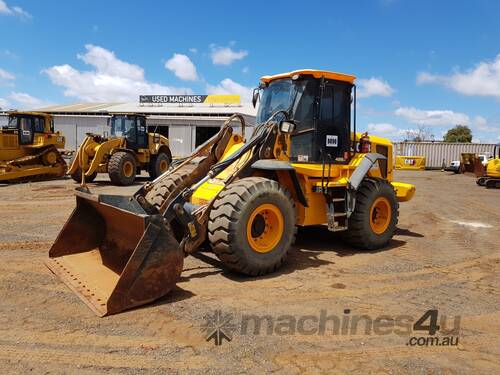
(362, 169)
(280, 165)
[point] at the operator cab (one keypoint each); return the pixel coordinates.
(318, 103)
(132, 127)
(26, 125)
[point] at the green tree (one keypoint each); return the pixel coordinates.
(459, 133)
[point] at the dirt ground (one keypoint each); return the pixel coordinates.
(444, 256)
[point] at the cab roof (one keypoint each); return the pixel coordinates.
(315, 73)
(28, 113)
(128, 114)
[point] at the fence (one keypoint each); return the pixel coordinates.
(437, 152)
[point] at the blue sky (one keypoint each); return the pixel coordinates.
(427, 64)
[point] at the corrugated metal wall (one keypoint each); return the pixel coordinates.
(436, 152)
(74, 128)
(181, 131)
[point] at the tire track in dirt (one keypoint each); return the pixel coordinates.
(12, 354)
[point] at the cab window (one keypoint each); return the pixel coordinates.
(39, 125)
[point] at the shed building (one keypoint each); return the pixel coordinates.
(186, 125)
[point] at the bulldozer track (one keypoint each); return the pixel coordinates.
(36, 160)
(26, 160)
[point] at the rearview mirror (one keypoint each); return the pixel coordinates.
(156, 138)
(255, 96)
(287, 126)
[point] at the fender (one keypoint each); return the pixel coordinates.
(362, 169)
(280, 165)
(165, 149)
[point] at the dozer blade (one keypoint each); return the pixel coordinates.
(113, 255)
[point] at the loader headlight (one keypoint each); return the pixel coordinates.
(287, 126)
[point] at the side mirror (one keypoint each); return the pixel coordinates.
(287, 126)
(255, 96)
(156, 138)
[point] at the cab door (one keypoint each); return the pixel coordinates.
(142, 133)
(333, 130)
(26, 130)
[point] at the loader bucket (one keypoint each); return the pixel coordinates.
(113, 255)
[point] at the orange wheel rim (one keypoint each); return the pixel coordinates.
(380, 215)
(265, 228)
(163, 165)
(128, 169)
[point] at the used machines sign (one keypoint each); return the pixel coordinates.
(189, 99)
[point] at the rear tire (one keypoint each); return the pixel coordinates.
(373, 222)
(122, 168)
(159, 164)
(251, 226)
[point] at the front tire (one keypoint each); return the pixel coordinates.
(373, 222)
(251, 226)
(122, 168)
(77, 175)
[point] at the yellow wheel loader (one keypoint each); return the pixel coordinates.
(126, 152)
(29, 148)
(491, 175)
(304, 165)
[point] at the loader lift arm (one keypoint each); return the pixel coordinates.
(193, 219)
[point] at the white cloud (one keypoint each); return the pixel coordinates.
(110, 79)
(182, 66)
(482, 80)
(432, 117)
(383, 129)
(374, 87)
(425, 77)
(26, 100)
(193, 50)
(483, 125)
(226, 55)
(228, 86)
(4, 104)
(480, 121)
(6, 75)
(245, 70)
(13, 11)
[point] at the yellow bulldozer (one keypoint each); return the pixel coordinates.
(128, 150)
(29, 148)
(304, 165)
(491, 174)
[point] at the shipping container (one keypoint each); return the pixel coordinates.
(437, 153)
